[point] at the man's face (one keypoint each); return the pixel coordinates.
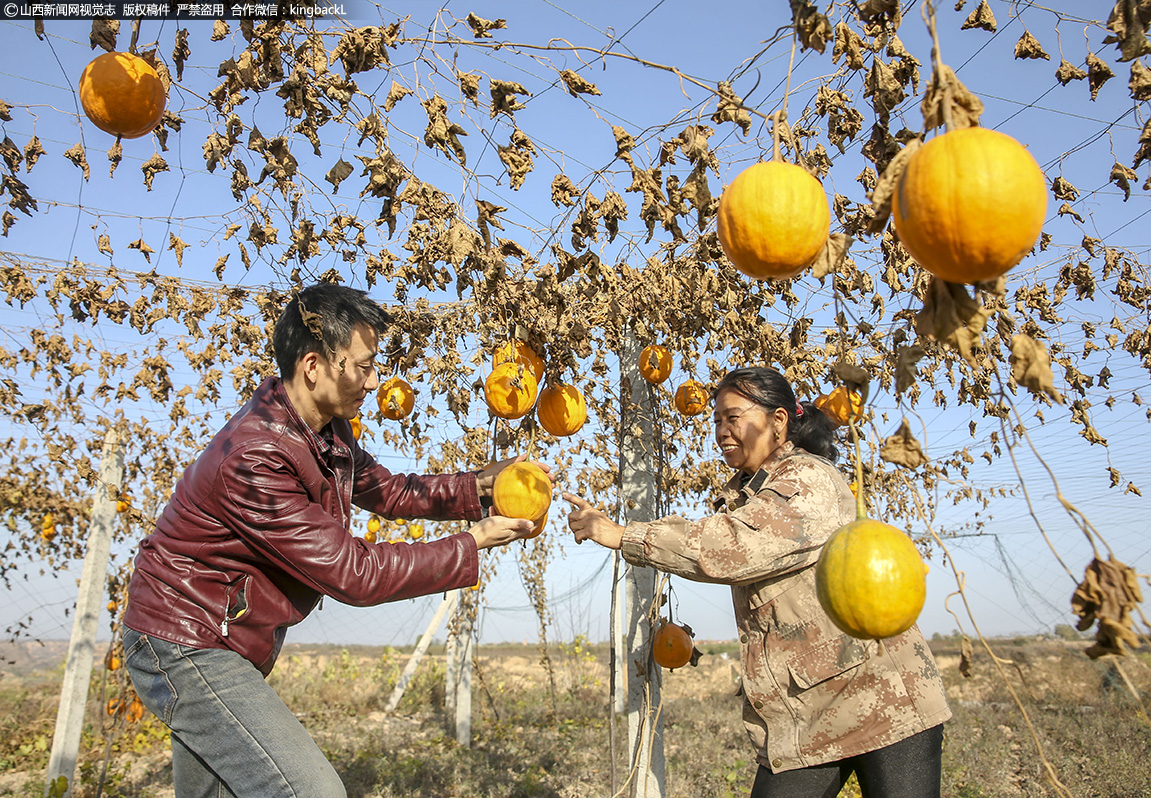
(343, 382)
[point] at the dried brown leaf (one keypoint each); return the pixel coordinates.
(577, 84)
(951, 316)
(902, 448)
(1029, 47)
(1031, 367)
(885, 188)
(981, 17)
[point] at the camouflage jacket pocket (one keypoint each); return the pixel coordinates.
(826, 661)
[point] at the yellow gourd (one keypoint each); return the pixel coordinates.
(519, 352)
(510, 390)
(871, 580)
(655, 363)
(970, 204)
(841, 406)
(122, 94)
(562, 409)
(773, 220)
(396, 398)
(522, 490)
(691, 398)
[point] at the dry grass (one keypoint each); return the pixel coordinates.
(1091, 729)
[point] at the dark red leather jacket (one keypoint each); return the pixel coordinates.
(257, 530)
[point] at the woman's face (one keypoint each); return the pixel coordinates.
(747, 433)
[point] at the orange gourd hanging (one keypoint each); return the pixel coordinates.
(691, 398)
(655, 363)
(773, 220)
(970, 204)
(522, 490)
(519, 352)
(396, 398)
(671, 646)
(562, 410)
(510, 390)
(122, 94)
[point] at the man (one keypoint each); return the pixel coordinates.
(257, 532)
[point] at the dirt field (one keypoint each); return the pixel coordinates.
(530, 739)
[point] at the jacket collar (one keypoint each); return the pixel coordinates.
(742, 487)
(322, 446)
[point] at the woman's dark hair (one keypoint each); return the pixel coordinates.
(320, 318)
(811, 431)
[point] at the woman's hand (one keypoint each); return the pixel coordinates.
(589, 523)
(487, 477)
(498, 530)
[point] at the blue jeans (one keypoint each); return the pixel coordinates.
(231, 734)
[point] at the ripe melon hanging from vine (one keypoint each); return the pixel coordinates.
(773, 219)
(870, 578)
(396, 398)
(122, 94)
(970, 204)
(562, 409)
(510, 390)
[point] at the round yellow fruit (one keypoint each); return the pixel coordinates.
(396, 398)
(519, 352)
(871, 580)
(122, 94)
(522, 490)
(970, 204)
(655, 363)
(691, 398)
(510, 390)
(773, 220)
(562, 409)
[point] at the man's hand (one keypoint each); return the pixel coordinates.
(498, 530)
(487, 477)
(589, 523)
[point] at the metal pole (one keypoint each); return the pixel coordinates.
(89, 603)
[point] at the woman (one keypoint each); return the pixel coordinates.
(818, 704)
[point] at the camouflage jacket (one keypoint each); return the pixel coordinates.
(812, 694)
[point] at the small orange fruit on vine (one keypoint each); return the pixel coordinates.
(135, 710)
(970, 204)
(112, 607)
(522, 490)
(773, 220)
(871, 580)
(112, 662)
(357, 427)
(671, 646)
(396, 398)
(122, 94)
(691, 398)
(510, 390)
(48, 527)
(519, 352)
(562, 409)
(841, 406)
(655, 363)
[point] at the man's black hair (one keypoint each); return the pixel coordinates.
(320, 318)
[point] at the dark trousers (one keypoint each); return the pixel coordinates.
(910, 768)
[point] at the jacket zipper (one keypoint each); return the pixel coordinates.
(234, 611)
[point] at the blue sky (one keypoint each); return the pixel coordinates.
(1014, 582)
